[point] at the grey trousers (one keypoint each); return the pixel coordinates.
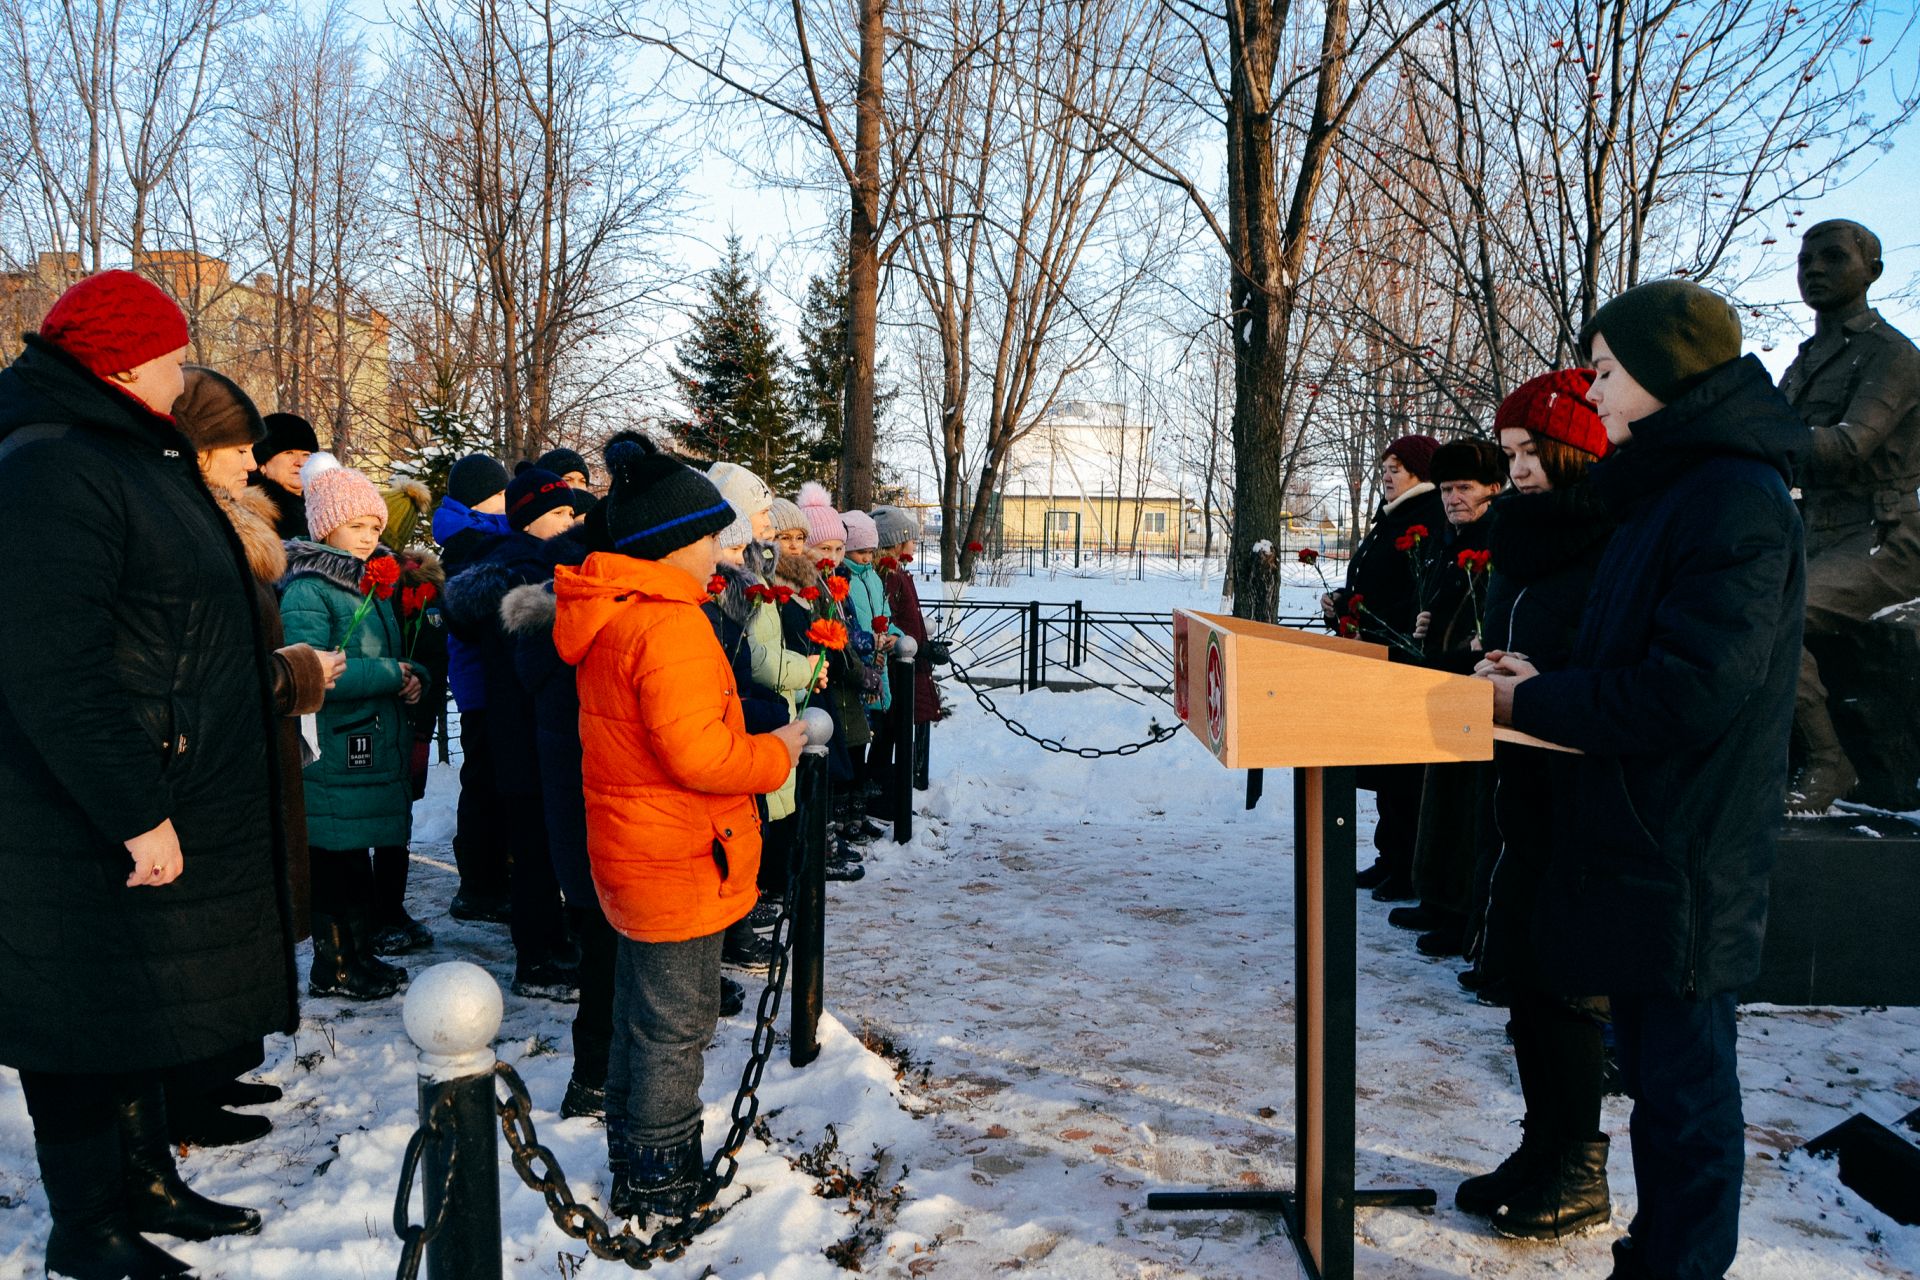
(666, 1004)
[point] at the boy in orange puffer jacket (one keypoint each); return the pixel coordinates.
(670, 774)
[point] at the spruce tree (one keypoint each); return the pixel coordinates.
(820, 374)
(730, 373)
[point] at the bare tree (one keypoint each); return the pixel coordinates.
(1283, 97)
(1537, 159)
(106, 94)
(1024, 237)
(817, 69)
(552, 186)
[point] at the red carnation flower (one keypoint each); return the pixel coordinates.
(838, 588)
(976, 547)
(906, 557)
(887, 564)
(880, 621)
(716, 585)
(825, 566)
(1474, 561)
(380, 577)
(810, 594)
(1308, 555)
(1417, 531)
(1405, 542)
(783, 594)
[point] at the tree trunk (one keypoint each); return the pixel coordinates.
(1257, 298)
(863, 266)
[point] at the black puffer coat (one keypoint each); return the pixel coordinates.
(501, 563)
(134, 688)
(526, 617)
(1680, 690)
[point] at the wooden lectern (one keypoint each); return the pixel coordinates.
(1266, 697)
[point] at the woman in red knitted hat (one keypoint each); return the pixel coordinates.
(1546, 541)
(142, 927)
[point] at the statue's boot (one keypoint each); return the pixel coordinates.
(1826, 775)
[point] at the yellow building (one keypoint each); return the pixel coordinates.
(289, 353)
(1085, 478)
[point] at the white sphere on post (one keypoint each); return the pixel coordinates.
(452, 1014)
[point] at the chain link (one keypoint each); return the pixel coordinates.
(415, 1238)
(538, 1168)
(1157, 732)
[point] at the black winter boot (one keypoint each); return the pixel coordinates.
(337, 970)
(157, 1199)
(744, 947)
(1484, 1194)
(733, 997)
(1569, 1196)
(198, 1122)
(659, 1180)
(583, 1099)
(92, 1237)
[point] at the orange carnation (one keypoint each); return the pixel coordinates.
(828, 634)
(838, 588)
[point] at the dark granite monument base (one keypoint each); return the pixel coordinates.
(1873, 689)
(1844, 925)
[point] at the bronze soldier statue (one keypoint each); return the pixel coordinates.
(1856, 383)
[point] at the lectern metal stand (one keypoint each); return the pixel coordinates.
(1319, 1210)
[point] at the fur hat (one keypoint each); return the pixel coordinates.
(1554, 405)
(336, 494)
(861, 533)
(1470, 459)
(114, 322)
(655, 505)
(214, 413)
(823, 522)
(286, 432)
(896, 525)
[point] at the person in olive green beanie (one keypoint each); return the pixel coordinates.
(1667, 333)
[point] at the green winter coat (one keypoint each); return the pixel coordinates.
(787, 673)
(359, 795)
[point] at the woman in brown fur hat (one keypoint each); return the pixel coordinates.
(221, 422)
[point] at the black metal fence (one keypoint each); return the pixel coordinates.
(1038, 644)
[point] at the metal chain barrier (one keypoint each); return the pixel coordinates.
(538, 1168)
(1159, 733)
(414, 1238)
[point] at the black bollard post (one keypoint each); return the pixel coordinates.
(808, 963)
(922, 756)
(452, 1013)
(900, 711)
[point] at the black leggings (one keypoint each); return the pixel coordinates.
(1557, 1047)
(70, 1106)
(343, 879)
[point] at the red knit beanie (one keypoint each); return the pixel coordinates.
(115, 321)
(1555, 405)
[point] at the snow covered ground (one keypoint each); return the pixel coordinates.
(1072, 988)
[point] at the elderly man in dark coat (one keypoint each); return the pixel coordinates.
(142, 927)
(1680, 693)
